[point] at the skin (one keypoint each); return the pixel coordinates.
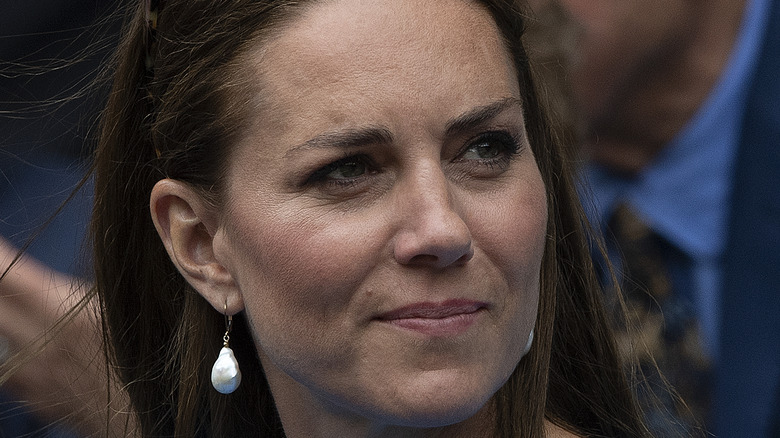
(642, 69)
(438, 205)
(63, 378)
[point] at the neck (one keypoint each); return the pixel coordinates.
(661, 99)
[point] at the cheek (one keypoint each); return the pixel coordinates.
(298, 272)
(514, 230)
(512, 235)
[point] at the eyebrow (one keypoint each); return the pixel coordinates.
(350, 138)
(346, 139)
(481, 115)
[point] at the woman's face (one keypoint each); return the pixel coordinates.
(385, 218)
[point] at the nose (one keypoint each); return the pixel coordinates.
(432, 232)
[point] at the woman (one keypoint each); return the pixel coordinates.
(369, 193)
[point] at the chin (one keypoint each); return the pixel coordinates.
(441, 416)
(438, 404)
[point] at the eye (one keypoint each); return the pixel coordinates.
(491, 149)
(344, 171)
(347, 168)
(484, 150)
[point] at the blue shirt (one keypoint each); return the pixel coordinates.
(684, 193)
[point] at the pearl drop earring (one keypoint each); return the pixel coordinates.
(225, 375)
(529, 343)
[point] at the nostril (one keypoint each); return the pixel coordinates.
(442, 257)
(424, 259)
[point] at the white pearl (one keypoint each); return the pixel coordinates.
(530, 343)
(225, 375)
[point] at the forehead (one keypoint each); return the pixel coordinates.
(342, 26)
(359, 55)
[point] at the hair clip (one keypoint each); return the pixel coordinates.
(152, 8)
(151, 12)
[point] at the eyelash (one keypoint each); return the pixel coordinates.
(510, 146)
(320, 176)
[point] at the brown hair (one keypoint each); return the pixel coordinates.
(174, 118)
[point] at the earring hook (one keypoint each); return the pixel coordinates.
(228, 327)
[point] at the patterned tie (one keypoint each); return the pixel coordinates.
(655, 277)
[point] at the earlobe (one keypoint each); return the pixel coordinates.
(187, 227)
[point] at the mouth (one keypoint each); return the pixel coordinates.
(447, 318)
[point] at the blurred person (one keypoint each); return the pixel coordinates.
(49, 54)
(682, 132)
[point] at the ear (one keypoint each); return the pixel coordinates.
(187, 227)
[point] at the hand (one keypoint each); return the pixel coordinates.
(57, 365)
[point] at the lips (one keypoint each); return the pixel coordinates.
(435, 319)
(433, 310)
